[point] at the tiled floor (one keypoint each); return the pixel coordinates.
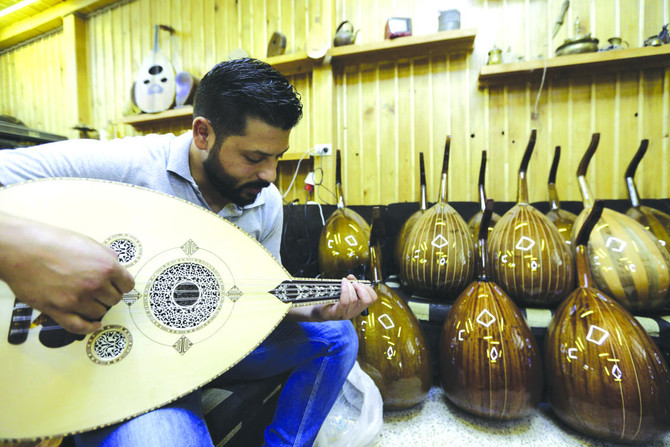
(436, 422)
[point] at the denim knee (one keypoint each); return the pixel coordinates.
(344, 342)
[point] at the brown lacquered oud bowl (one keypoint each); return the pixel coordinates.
(343, 244)
(605, 376)
(392, 349)
(411, 221)
(627, 262)
(438, 257)
(653, 220)
(489, 360)
(528, 257)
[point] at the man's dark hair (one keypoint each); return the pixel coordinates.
(234, 90)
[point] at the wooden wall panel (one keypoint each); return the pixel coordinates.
(382, 114)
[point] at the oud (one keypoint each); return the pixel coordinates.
(206, 294)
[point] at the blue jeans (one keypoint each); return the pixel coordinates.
(320, 356)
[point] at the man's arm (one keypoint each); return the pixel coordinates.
(63, 274)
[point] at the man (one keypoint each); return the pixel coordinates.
(244, 111)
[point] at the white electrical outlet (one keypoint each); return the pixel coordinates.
(321, 150)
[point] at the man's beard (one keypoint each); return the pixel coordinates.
(224, 183)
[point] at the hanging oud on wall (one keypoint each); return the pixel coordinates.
(155, 86)
(206, 294)
(392, 349)
(605, 376)
(343, 244)
(627, 262)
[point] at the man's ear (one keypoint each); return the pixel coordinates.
(203, 133)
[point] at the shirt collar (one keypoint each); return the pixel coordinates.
(178, 163)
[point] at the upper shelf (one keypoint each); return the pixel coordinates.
(631, 59)
(442, 42)
(291, 64)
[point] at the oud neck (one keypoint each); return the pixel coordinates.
(304, 291)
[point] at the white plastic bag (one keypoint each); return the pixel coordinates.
(357, 416)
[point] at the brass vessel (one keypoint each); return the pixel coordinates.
(392, 348)
(528, 256)
(605, 376)
(343, 245)
(489, 360)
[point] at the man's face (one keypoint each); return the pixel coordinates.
(244, 164)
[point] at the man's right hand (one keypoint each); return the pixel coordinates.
(66, 275)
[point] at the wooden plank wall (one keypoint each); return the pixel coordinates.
(383, 113)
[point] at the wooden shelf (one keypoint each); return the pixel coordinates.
(144, 119)
(290, 64)
(615, 60)
(409, 46)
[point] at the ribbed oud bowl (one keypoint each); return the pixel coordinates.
(438, 257)
(393, 351)
(343, 245)
(627, 262)
(529, 259)
(653, 220)
(402, 236)
(605, 376)
(489, 360)
(563, 221)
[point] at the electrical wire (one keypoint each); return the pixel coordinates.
(297, 168)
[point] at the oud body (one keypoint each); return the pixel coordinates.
(392, 349)
(528, 257)
(605, 376)
(343, 244)
(206, 295)
(490, 363)
(653, 220)
(628, 263)
(438, 257)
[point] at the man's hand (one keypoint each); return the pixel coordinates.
(63, 274)
(354, 299)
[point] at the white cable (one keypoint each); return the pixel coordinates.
(311, 202)
(296, 173)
